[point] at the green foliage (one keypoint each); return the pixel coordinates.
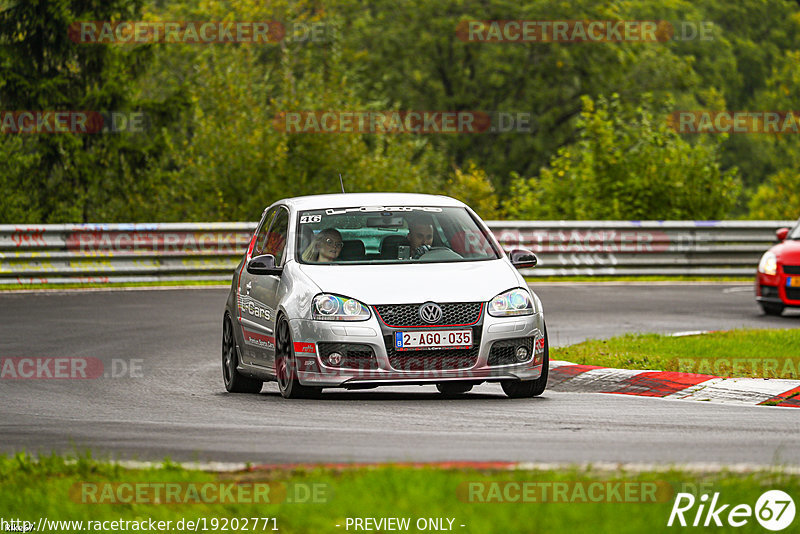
(410, 52)
(74, 177)
(627, 164)
(16, 163)
(779, 197)
(231, 159)
(212, 150)
(473, 187)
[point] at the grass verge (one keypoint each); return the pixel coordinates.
(484, 501)
(757, 353)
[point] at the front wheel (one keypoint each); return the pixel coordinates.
(286, 367)
(771, 309)
(235, 382)
(517, 389)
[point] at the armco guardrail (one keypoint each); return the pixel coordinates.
(633, 248)
(103, 253)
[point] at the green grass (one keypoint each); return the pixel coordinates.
(47, 488)
(764, 353)
(166, 283)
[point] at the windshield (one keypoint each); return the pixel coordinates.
(400, 234)
(795, 233)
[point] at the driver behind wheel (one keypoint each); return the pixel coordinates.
(420, 237)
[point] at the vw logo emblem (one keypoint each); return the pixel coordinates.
(430, 312)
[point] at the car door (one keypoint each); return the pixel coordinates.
(261, 291)
(256, 331)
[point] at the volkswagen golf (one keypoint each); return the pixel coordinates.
(368, 289)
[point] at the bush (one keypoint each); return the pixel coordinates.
(627, 164)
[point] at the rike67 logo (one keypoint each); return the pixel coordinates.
(774, 510)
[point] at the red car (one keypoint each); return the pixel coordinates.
(778, 277)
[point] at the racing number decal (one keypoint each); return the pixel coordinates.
(310, 219)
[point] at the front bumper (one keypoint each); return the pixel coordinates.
(312, 370)
(772, 289)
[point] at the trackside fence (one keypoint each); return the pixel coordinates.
(157, 252)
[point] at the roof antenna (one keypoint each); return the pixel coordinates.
(341, 182)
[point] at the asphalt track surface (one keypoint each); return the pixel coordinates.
(178, 407)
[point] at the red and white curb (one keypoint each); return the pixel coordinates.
(628, 467)
(567, 376)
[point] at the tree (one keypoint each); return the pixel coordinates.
(76, 177)
(230, 157)
(473, 187)
(778, 197)
(411, 54)
(627, 164)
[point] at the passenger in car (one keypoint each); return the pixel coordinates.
(325, 247)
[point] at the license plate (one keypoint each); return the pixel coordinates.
(433, 339)
(793, 281)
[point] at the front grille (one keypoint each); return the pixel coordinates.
(434, 359)
(504, 352)
(793, 293)
(791, 269)
(355, 356)
(407, 315)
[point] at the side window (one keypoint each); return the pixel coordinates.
(276, 237)
(261, 237)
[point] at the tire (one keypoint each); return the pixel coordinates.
(235, 382)
(518, 389)
(286, 366)
(771, 309)
(453, 388)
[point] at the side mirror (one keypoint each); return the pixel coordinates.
(264, 264)
(523, 259)
(782, 233)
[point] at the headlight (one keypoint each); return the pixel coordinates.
(335, 308)
(768, 263)
(513, 302)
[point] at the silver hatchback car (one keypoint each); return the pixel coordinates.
(368, 289)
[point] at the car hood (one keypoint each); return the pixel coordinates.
(788, 252)
(412, 283)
